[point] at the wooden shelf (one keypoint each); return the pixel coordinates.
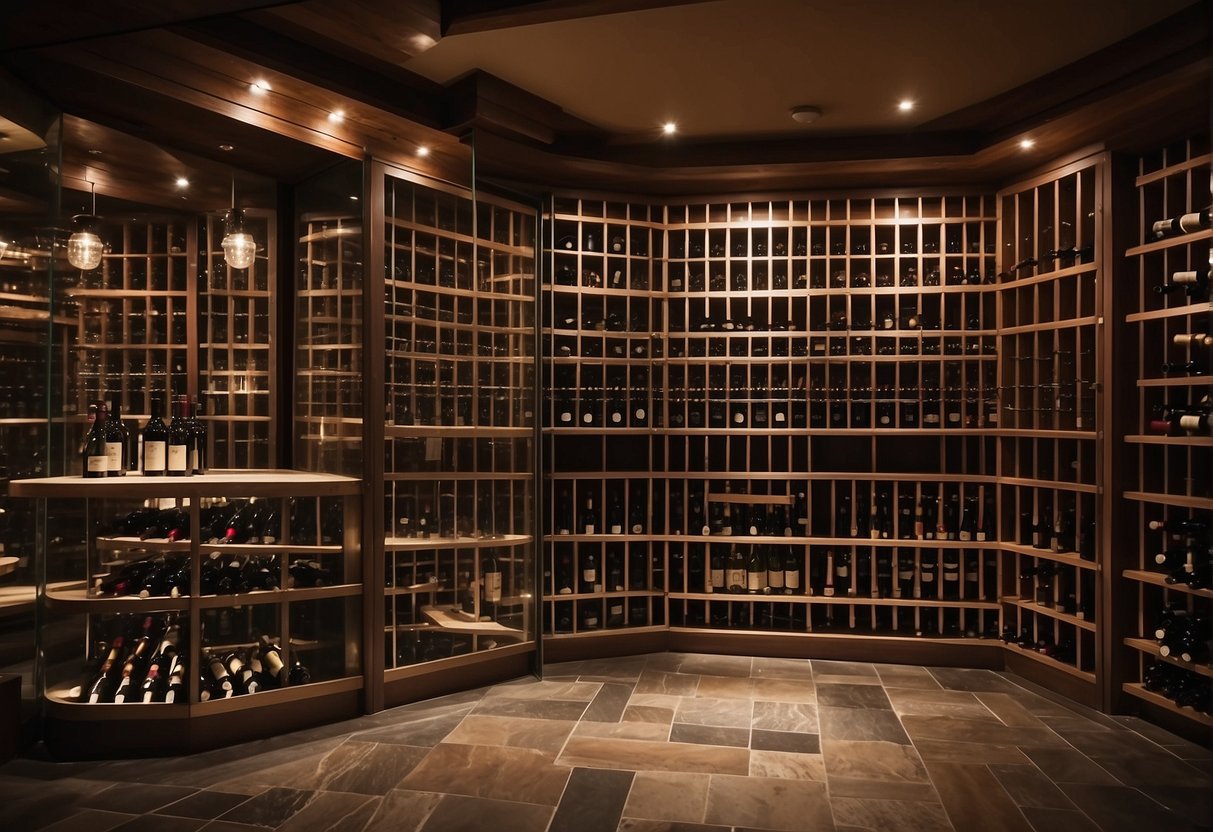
(1068, 558)
(1184, 441)
(1051, 612)
(1149, 647)
(844, 600)
(452, 620)
(1204, 503)
(1139, 690)
(162, 545)
(1049, 661)
(413, 544)
(1159, 579)
(603, 596)
(456, 432)
(1169, 242)
(262, 483)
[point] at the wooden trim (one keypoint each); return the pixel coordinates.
(373, 328)
(1053, 675)
(438, 678)
(263, 483)
(929, 651)
(558, 649)
(466, 16)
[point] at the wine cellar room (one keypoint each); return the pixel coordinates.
(627, 391)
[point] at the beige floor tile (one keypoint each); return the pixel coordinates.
(702, 710)
(518, 774)
(652, 731)
(665, 795)
(890, 815)
(873, 761)
(786, 716)
(768, 803)
(675, 684)
(787, 765)
(516, 732)
(638, 755)
(784, 690)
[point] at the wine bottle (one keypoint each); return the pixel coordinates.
(1188, 223)
(589, 517)
(564, 513)
(735, 577)
(179, 439)
(135, 665)
(198, 456)
(775, 572)
(105, 682)
(1192, 282)
(116, 451)
(272, 662)
(589, 572)
(828, 586)
(791, 571)
(615, 515)
(96, 458)
(490, 580)
(1189, 525)
(636, 512)
(756, 571)
(155, 443)
(1194, 368)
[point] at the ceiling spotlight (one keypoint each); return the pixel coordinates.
(422, 150)
(337, 116)
(669, 128)
(805, 114)
(259, 87)
(94, 152)
(353, 197)
(226, 148)
(182, 182)
(905, 105)
(4, 137)
(1027, 144)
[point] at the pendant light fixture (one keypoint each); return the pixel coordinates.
(84, 247)
(239, 247)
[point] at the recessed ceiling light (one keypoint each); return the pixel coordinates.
(337, 116)
(1027, 144)
(353, 197)
(905, 105)
(226, 148)
(259, 86)
(422, 150)
(669, 128)
(94, 152)
(182, 182)
(805, 114)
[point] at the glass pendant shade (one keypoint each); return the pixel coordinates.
(239, 247)
(84, 247)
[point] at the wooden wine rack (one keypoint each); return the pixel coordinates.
(1052, 292)
(840, 348)
(1168, 477)
(458, 296)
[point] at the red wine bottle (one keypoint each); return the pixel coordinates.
(155, 443)
(96, 459)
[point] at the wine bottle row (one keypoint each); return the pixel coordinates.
(1184, 550)
(1048, 637)
(589, 615)
(111, 449)
(253, 521)
(247, 670)
(420, 399)
(451, 510)
(169, 576)
(1185, 688)
(1058, 587)
(1182, 635)
(922, 621)
(596, 569)
(861, 572)
(1183, 418)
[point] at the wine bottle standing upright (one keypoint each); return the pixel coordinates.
(154, 460)
(96, 461)
(198, 462)
(115, 440)
(178, 460)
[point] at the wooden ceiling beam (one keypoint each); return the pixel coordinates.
(460, 17)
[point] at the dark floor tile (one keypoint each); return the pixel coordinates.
(456, 813)
(890, 815)
(29, 805)
(639, 825)
(160, 823)
(1057, 820)
(1029, 787)
(708, 665)
(402, 810)
(592, 801)
(86, 820)
(493, 772)
(857, 724)
(609, 704)
(1065, 765)
(974, 800)
(852, 696)
(425, 732)
(228, 826)
(823, 667)
(993, 732)
(974, 680)
(372, 769)
(271, 808)
(785, 741)
(710, 735)
(768, 803)
(1122, 809)
(205, 804)
(1195, 804)
(333, 812)
(146, 798)
(532, 708)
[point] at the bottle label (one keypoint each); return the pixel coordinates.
(492, 587)
(178, 458)
(928, 577)
(754, 581)
(637, 528)
(843, 571)
(616, 417)
(97, 464)
(153, 457)
(565, 416)
(589, 528)
(616, 528)
(113, 455)
(736, 577)
(590, 621)
(791, 578)
(775, 579)
(717, 579)
(589, 576)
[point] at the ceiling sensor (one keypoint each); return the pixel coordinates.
(805, 114)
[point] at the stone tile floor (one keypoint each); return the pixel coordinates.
(664, 742)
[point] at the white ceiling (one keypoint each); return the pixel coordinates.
(733, 68)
